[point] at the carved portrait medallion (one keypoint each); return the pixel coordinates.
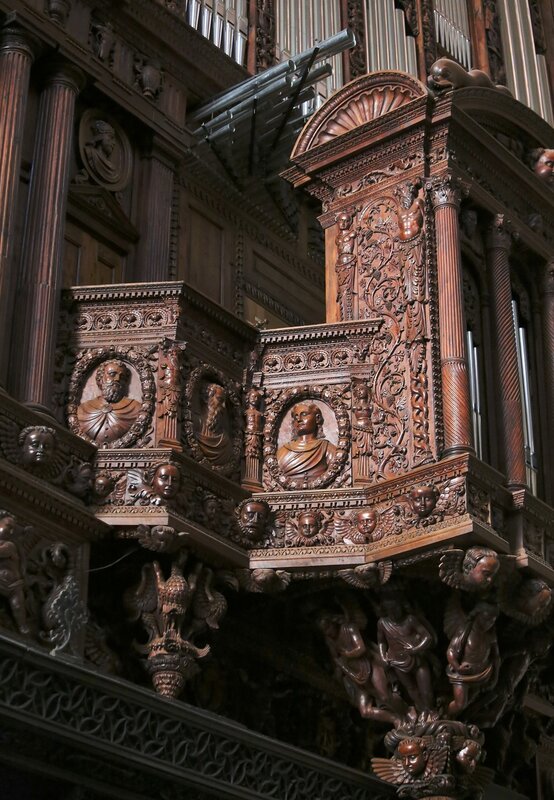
(105, 150)
(213, 420)
(111, 397)
(307, 438)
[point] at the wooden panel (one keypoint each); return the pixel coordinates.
(205, 264)
(89, 262)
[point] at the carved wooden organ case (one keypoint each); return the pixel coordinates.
(341, 455)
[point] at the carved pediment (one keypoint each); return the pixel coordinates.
(98, 209)
(362, 101)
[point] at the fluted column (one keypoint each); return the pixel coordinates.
(17, 51)
(456, 405)
(511, 416)
(152, 262)
(41, 260)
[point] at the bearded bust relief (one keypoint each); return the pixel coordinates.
(110, 415)
(213, 426)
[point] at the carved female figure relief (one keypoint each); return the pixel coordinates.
(345, 266)
(253, 438)
(308, 454)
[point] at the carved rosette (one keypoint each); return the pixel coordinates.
(277, 406)
(221, 448)
(86, 364)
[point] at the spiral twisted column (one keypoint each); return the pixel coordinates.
(446, 197)
(39, 282)
(17, 53)
(498, 244)
(547, 292)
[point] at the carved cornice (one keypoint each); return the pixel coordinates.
(340, 331)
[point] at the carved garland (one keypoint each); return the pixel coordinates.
(198, 374)
(86, 364)
(278, 407)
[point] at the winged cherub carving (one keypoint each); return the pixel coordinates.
(417, 760)
(473, 570)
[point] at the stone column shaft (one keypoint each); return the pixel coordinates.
(41, 261)
(17, 51)
(513, 445)
(456, 405)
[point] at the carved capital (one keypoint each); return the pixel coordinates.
(498, 234)
(445, 191)
(61, 73)
(14, 38)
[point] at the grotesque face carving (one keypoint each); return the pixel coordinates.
(103, 485)
(253, 518)
(366, 521)
(423, 500)
(480, 567)
(412, 755)
(113, 380)
(38, 444)
(166, 481)
(309, 524)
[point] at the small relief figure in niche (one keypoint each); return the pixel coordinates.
(213, 435)
(253, 516)
(11, 570)
(362, 429)
(473, 656)
(38, 444)
(166, 480)
(423, 500)
(410, 216)
(309, 454)
(109, 416)
(473, 571)
(345, 266)
(404, 643)
(254, 423)
(364, 523)
(361, 667)
(99, 152)
(542, 162)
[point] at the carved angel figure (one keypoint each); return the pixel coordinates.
(473, 655)
(404, 643)
(474, 570)
(12, 569)
(367, 576)
(360, 666)
(362, 527)
(527, 600)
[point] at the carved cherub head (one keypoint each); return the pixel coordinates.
(413, 754)
(38, 444)
(365, 521)
(104, 484)
(8, 525)
(309, 524)
(253, 517)
(542, 161)
(534, 597)
(469, 755)
(423, 500)
(344, 219)
(479, 567)
(113, 378)
(165, 479)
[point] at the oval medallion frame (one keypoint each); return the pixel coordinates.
(206, 373)
(275, 416)
(84, 367)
